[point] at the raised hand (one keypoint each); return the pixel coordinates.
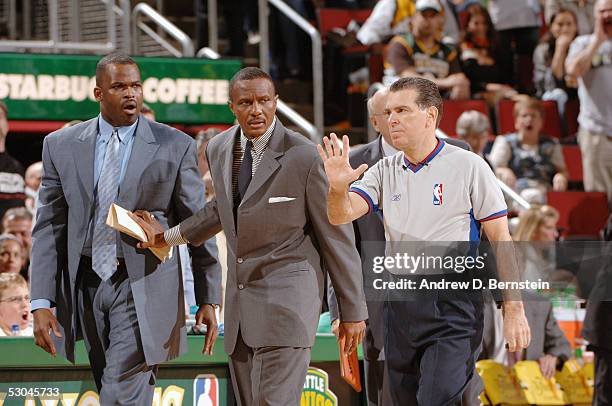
(339, 172)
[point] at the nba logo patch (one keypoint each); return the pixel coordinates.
(437, 194)
(206, 390)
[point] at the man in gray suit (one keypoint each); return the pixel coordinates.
(125, 303)
(548, 345)
(270, 201)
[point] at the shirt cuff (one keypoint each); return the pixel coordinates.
(39, 304)
(173, 236)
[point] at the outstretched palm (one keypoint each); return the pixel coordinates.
(339, 172)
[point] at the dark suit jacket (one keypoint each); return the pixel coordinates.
(162, 177)
(546, 336)
(597, 326)
(275, 281)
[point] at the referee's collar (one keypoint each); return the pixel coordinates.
(417, 167)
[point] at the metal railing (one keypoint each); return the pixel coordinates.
(144, 10)
(213, 25)
(281, 106)
(317, 53)
(55, 43)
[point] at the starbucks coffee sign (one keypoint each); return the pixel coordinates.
(60, 87)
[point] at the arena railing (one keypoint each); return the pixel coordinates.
(317, 53)
(55, 43)
(144, 10)
(293, 116)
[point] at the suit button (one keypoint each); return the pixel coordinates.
(240, 286)
(240, 260)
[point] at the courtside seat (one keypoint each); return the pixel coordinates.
(573, 161)
(452, 109)
(581, 214)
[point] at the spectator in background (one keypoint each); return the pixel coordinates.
(389, 17)
(71, 123)
(474, 128)
(518, 24)
(548, 346)
(202, 139)
(216, 245)
(14, 306)
(11, 254)
(582, 9)
(18, 222)
(33, 176)
(479, 53)
(12, 185)
(147, 111)
(590, 60)
(420, 53)
(538, 223)
(527, 161)
(549, 76)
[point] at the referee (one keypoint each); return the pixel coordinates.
(430, 191)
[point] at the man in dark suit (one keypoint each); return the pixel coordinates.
(270, 200)
(597, 327)
(370, 236)
(127, 305)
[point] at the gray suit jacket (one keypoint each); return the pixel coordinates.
(275, 280)
(546, 336)
(162, 177)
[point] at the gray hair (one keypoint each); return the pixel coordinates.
(10, 237)
(472, 122)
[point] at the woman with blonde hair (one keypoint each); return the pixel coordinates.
(539, 223)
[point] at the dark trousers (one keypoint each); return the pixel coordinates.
(373, 356)
(271, 376)
(431, 349)
(602, 395)
(107, 316)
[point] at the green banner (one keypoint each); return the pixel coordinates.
(60, 87)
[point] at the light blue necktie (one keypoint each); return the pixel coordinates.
(104, 244)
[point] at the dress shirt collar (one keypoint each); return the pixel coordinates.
(388, 149)
(259, 143)
(106, 129)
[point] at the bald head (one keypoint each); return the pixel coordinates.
(376, 111)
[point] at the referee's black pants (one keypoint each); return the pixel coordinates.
(431, 348)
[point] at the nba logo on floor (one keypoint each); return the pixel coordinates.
(437, 194)
(206, 390)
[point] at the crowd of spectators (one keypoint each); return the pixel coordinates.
(470, 49)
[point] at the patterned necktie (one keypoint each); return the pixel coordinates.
(104, 245)
(246, 171)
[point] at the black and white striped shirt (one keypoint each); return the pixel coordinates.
(173, 236)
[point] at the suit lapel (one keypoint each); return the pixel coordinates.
(226, 162)
(269, 161)
(84, 157)
(143, 152)
(377, 151)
